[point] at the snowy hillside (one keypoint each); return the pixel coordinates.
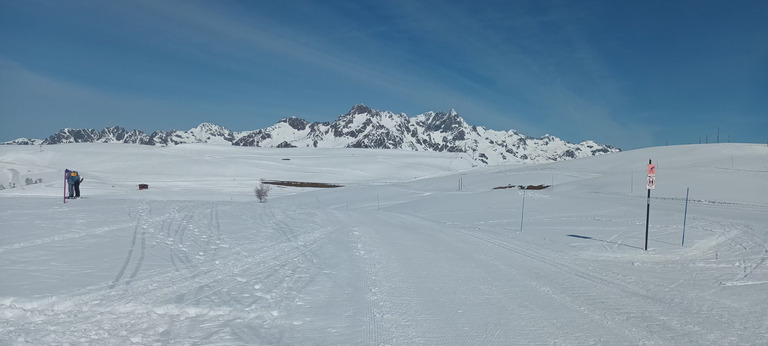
(416, 248)
(361, 127)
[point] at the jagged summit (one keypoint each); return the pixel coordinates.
(295, 123)
(360, 109)
(361, 127)
(441, 122)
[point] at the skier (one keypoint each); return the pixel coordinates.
(77, 185)
(70, 183)
(73, 183)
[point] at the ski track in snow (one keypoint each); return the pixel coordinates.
(69, 236)
(400, 315)
(585, 289)
(208, 279)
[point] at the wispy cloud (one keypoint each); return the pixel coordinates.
(38, 105)
(263, 35)
(539, 61)
(499, 66)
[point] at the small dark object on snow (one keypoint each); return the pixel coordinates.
(143, 186)
(523, 187)
(299, 184)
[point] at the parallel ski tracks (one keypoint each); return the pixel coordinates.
(367, 259)
(209, 271)
(224, 263)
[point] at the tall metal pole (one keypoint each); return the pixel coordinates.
(685, 216)
(647, 214)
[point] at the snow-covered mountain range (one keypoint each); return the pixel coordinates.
(361, 127)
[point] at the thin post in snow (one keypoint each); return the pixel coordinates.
(522, 212)
(685, 215)
(65, 186)
(647, 211)
(647, 216)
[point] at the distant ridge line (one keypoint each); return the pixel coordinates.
(361, 127)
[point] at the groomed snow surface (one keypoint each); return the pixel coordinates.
(417, 248)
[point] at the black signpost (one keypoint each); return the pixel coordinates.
(651, 184)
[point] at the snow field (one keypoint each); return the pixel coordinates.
(400, 255)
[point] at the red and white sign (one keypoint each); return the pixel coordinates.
(650, 183)
(651, 170)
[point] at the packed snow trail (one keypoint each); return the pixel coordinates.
(432, 284)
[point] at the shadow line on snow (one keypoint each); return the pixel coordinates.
(605, 241)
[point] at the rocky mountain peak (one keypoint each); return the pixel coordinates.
(360, 109)
(441, 122)
(295, 123)
(361, 127)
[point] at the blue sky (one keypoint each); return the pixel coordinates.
(627, 73)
